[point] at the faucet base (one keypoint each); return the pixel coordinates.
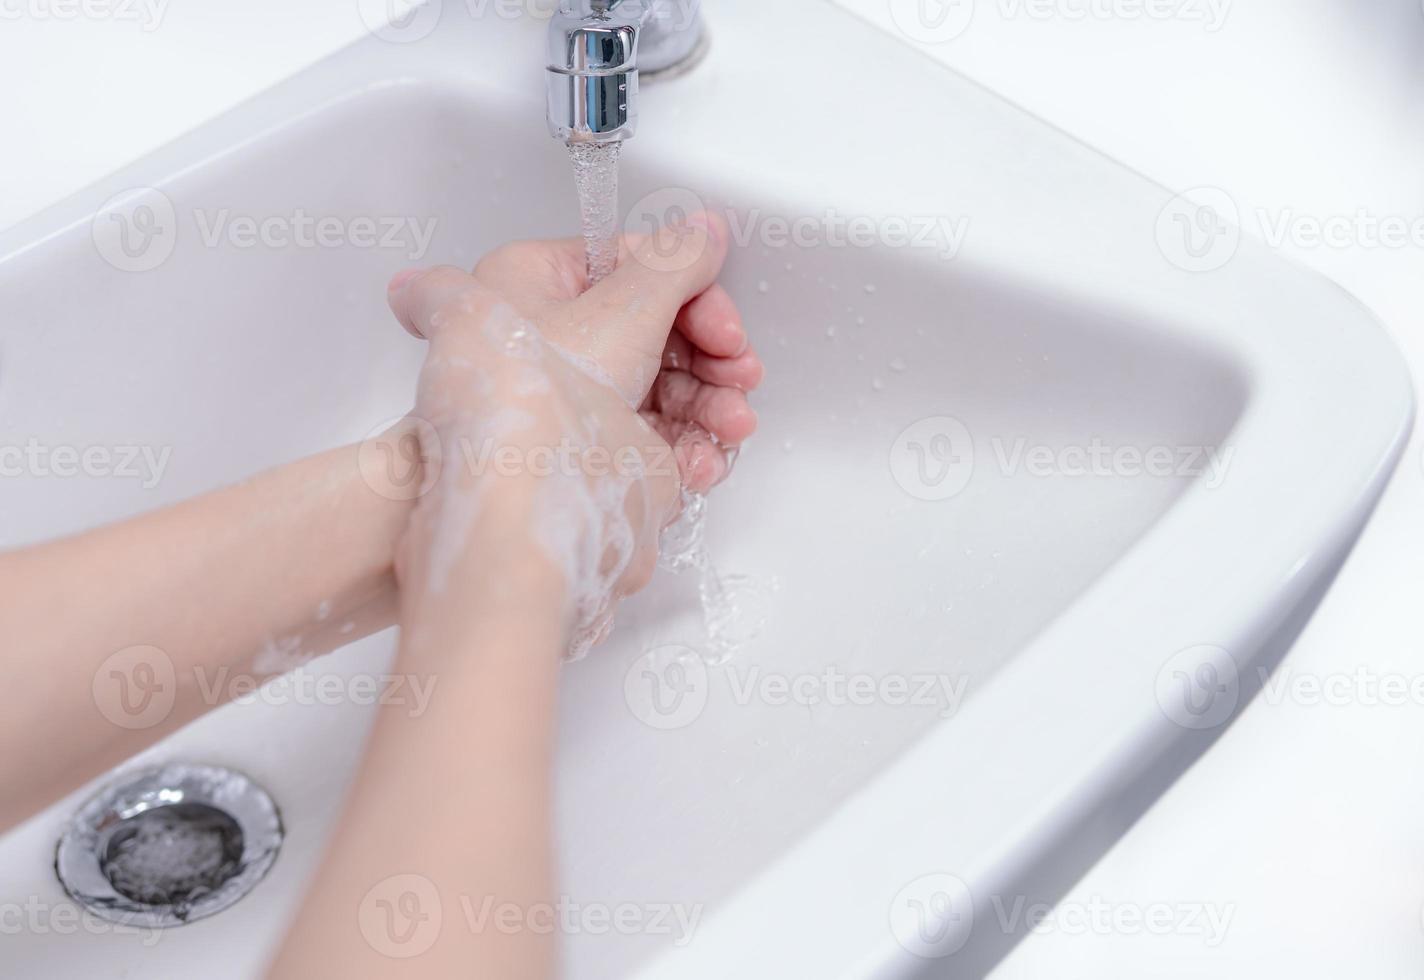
(689, 62)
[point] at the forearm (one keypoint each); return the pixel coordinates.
(118, 636)
(450, 816)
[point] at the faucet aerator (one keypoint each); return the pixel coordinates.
(596, 51)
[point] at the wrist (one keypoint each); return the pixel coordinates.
(477, 560)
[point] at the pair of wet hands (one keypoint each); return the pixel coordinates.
(574, 418)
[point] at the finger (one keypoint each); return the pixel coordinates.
(416, 296)
(536, 274)
(713, 324)
(724, 412)
(743, 373)
(678, 354)
(632, 311)
(701, 463)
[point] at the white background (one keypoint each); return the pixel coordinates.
(1306, 822)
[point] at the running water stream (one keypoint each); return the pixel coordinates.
(731, 616)
(596, 177)
(734, 607)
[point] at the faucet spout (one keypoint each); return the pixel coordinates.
(597, 48)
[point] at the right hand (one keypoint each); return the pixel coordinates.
(526, 367)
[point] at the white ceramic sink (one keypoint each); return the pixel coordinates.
(1039, 620)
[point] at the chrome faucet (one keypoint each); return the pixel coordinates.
(598, 48)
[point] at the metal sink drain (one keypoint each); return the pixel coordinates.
(170, 845)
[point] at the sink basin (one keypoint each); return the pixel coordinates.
(1011, 501)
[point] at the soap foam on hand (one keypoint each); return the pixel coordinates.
(509, 389)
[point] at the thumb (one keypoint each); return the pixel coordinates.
(631, 312)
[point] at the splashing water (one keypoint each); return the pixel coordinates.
(596, 177)
(734, 607)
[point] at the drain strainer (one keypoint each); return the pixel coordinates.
(170, 845)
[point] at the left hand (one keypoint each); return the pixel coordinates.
(523, 358)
